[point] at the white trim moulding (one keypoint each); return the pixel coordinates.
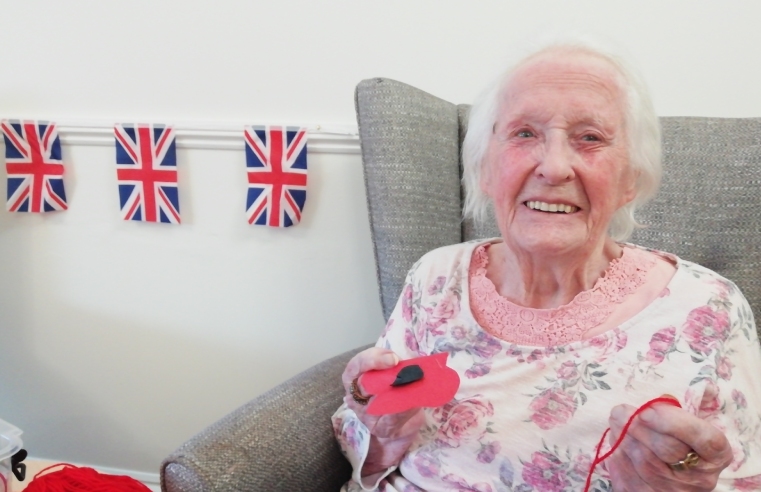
(321, 139)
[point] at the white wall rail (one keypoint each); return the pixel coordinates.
(322, 139)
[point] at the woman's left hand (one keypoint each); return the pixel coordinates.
(661, 435)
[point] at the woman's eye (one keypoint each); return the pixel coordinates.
(590, 138)
(525, 134)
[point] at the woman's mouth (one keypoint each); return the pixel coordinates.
(560, 208)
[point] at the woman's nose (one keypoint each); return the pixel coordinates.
(556, 162)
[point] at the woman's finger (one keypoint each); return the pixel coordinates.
(369, 359)
(624, 475)
(697, 434)
(666, 447)
(649, 467)
(671, 432)
(652, 443)
(660, 476)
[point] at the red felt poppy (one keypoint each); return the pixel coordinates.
(437, 386)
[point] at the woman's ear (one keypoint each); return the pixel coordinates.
(630, 187)
(483, 183)
(486, 183)
(485, 176)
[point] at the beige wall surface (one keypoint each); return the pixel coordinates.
(118, 340)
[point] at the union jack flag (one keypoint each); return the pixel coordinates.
(34, 166)
(146, 168)
(276, 162)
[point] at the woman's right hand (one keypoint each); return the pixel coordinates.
(390, 435)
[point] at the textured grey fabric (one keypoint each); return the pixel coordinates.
(281, 441)
(176, 477)
(708, 209)
(411, 156)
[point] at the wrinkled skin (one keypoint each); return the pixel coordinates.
(665, 434)
(560, 139)
(391, 435)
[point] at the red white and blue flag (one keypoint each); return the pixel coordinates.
(276, 162)
(34, 166)
(146, 168)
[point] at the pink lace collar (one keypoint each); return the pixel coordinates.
(558, 326)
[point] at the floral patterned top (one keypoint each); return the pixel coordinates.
(528, 418)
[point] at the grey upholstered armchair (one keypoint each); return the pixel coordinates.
(708, 211)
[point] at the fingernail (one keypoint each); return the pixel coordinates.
(391, 359)
(672, 397)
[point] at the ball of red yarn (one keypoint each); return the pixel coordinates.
(82, 479)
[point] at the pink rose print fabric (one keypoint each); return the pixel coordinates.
(752, 484)
(705, 329)
(546, 472)
(527, 418)
(465, 420)
(552, 408)
(661, 345)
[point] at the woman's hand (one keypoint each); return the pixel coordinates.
(661, 435)
(390, 435)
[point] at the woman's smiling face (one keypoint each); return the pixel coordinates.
(557, 167)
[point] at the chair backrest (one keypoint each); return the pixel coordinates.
(708, 209)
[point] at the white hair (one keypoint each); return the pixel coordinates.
(642, 126)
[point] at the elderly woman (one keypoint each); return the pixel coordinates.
(557, 329)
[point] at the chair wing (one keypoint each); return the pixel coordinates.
(708, 209)
(411, 155)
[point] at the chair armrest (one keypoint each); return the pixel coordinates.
(281, 440)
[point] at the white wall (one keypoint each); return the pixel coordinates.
(118, 340)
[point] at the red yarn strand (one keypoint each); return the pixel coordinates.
(599, 459)
(42, 472)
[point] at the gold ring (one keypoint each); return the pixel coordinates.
(355, 393)
(689, 461)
